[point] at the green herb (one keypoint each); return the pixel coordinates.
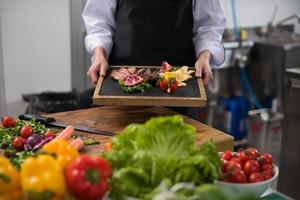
(174, 69)
(141, 87)
(45, 195)
(18, 157)
(91, 142)
(5, 178)
(163, 148)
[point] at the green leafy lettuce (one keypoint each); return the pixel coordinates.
(141, 87)
(161, 149)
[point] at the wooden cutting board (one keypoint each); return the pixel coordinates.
(108, 92)
(116, 118)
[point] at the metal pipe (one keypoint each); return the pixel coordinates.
(297, 16)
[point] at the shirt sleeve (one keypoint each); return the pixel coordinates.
(98, 17)
(209, 25)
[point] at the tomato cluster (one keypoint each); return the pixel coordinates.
(246, 166)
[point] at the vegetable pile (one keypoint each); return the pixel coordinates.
(58, 173)
(21, 139)
(162, 149)
(246, 166)
(157, 160)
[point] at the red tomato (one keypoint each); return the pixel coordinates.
(18, 143)
(266, 158)
(243, 157)
(237, 176)
(224, 165)
(266, 167)
(251, 166)
(163, 85)
(236, 160)
(227, 155)
(169, 86)
(8, 122)
(49, 134)
(173, 86)
(26, 131)
(267, 174)
(256, 177)
(252, 153)
(234, 164)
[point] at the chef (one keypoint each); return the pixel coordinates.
(147, 32)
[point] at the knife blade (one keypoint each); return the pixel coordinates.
(49, 121)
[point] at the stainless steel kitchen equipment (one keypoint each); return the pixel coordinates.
(289, 177)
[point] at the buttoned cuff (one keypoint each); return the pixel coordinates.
(92, 42)
(215, 47)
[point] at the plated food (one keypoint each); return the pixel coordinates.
(168, 78)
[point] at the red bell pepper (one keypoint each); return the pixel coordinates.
(87, 177)
(168, 86)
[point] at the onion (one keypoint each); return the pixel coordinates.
(32, 141)
(42, 143)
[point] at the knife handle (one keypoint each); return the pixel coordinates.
(38, 118)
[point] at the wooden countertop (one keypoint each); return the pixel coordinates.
(116, 118)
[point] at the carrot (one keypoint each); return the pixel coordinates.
(66, 133)
(76, 143)
(108, 146)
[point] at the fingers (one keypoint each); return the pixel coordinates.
(203, 70)
(208, 75)
(198, 73)
(103, 69)
(93, 73)
(98, 66)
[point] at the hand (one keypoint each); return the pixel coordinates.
(99, 65)
(203, 68)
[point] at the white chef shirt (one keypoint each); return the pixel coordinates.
(209, 25)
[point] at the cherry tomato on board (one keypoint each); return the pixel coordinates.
(18, 143)
(26, 131)
(8, 122)
(50, 134)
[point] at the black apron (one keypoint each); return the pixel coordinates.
(151, 31)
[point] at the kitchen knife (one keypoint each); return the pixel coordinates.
(49, 121)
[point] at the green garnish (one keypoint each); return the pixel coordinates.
(91, 142)
(141, 87)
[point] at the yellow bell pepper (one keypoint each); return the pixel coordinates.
(63, 151)
(9, 177)
(16, 195)
(42, 178)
